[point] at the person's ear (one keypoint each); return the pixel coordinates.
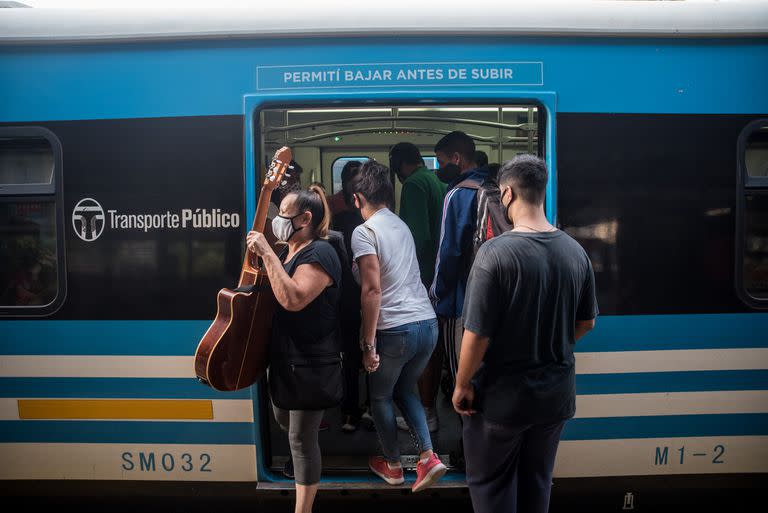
(511, 195)
(306, 219)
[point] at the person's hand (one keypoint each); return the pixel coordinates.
(463, 397)
(257, 243)
(370, 361)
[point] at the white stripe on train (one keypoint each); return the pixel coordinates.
(587, 406)
(614, 362)
(671, 403)
(172, 462)
(161, 462)
(662, 456)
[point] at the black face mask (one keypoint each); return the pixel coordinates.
(506, 210)
(394, 167)
(448, 173)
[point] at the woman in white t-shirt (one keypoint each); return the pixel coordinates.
(399, 328)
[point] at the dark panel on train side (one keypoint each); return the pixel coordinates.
(184, 172)
(652, 199)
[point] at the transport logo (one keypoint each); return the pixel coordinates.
(88, 219)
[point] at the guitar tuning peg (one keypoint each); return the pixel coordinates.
(283, 182)
(290, 167)
(288, 174)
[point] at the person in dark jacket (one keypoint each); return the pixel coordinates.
(454, 254)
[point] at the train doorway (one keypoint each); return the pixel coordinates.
(324, 138)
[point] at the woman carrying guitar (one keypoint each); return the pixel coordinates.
(305, 375)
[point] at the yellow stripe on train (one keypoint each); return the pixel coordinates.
(166, 409)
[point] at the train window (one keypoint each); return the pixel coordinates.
(756, 245)
(756, 153)
(752, 215)
(28, 253)
(31, 242)
(25, 161)
(336, 168)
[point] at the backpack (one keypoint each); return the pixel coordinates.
(490, 220)
(349, 303)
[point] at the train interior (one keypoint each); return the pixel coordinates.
(323, 140)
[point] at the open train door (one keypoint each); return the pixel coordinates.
(502, 122)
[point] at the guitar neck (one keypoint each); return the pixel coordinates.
(277, 169)
(262, 207)
(250, 262)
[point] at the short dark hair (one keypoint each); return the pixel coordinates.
(374, 182)
(348, 172)
(527, 174)
(481, 158)
(405, 153)
(493, 172)
(457, 142)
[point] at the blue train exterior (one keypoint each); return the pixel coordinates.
(642, 139)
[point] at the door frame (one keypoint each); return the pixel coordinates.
(426, 96)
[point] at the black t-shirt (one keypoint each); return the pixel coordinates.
(346, 221)
(525, 292)
(350, 291)
(320, 317)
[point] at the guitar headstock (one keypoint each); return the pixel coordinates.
(278, 168)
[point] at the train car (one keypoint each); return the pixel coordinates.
(132, 146)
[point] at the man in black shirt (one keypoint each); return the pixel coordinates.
(530, 296)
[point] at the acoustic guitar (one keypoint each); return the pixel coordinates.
(233, 352)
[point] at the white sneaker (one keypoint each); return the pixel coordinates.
(350, 424)
(369, 424)
(402, 425)
(433, 423)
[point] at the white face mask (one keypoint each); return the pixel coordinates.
(283, 228)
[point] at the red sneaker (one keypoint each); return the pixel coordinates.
(428, 473)
(378, 466)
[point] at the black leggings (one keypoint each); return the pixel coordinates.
(302, 427)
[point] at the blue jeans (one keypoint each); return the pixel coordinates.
(404, 352)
